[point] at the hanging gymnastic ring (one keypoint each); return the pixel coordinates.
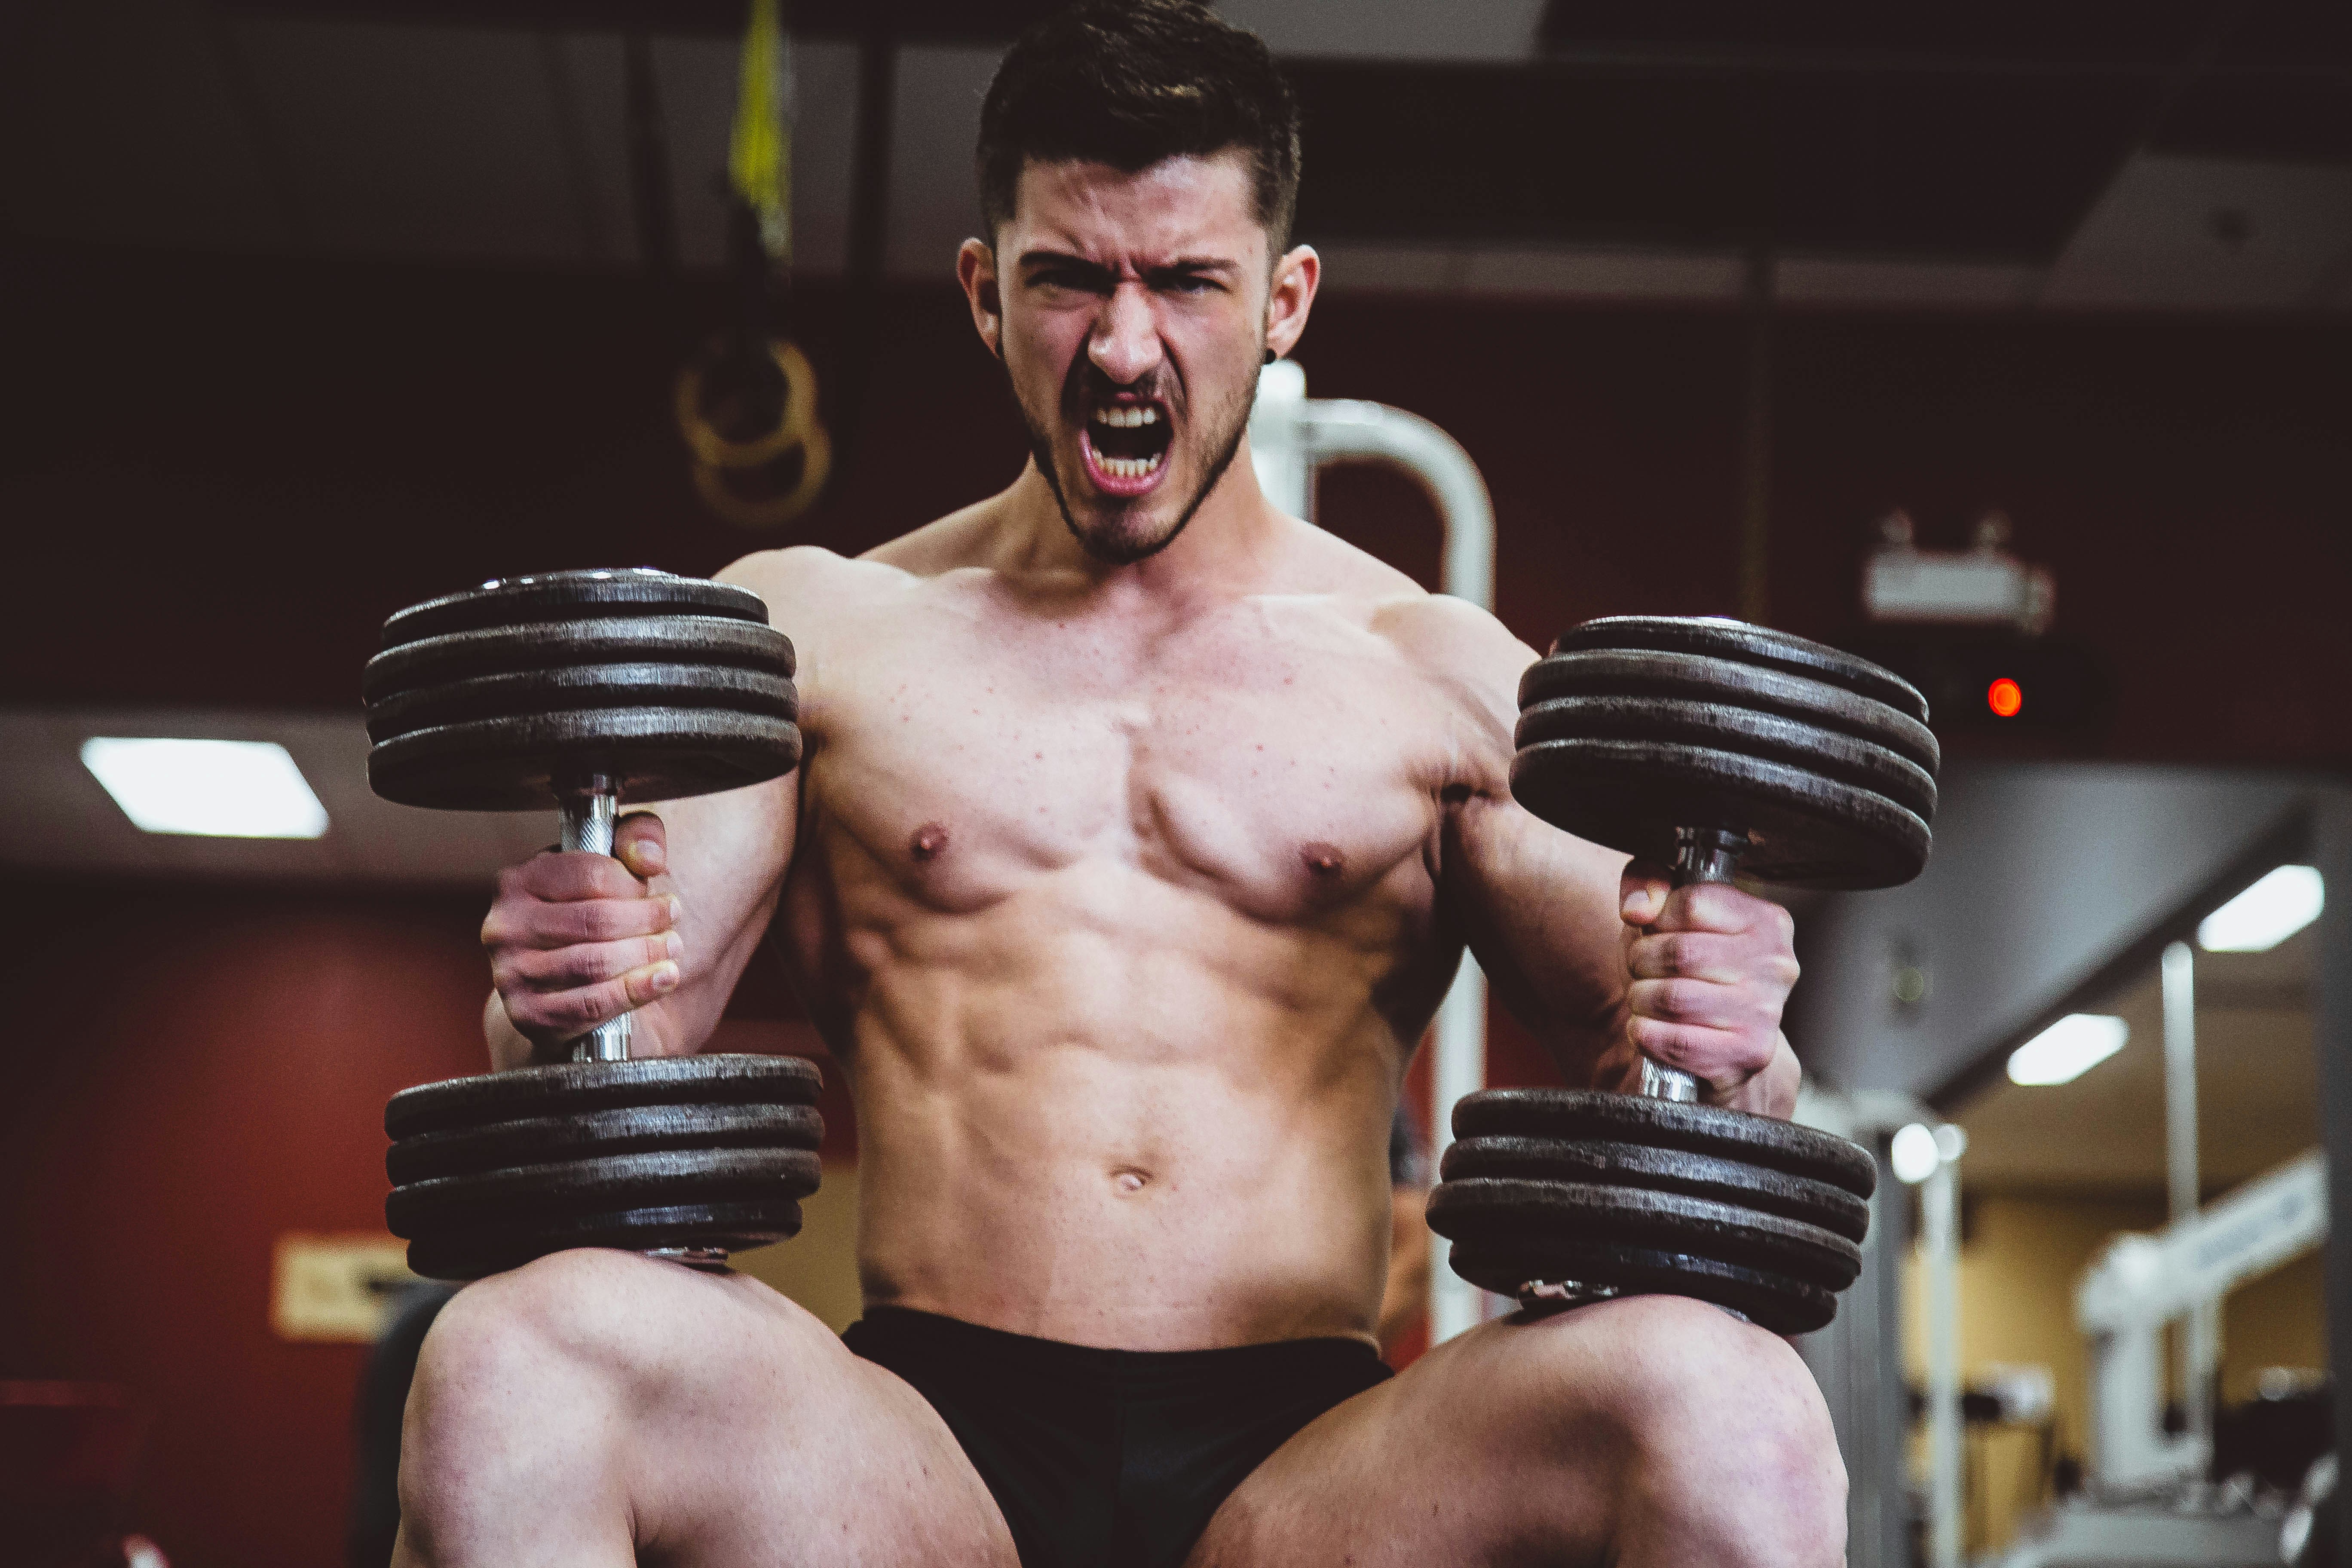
(714, 450)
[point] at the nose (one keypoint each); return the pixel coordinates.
(1124, 345)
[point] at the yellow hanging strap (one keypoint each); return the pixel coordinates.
(760, 160)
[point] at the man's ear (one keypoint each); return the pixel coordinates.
(1290, 297)
(976, 270)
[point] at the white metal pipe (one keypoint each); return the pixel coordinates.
(1339, 429)
(2200, 1348)
(1939, 1242)
(1292, 435)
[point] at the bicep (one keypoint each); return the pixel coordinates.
(1539, 909)
(728, 853)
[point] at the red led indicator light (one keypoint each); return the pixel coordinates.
(2005, 697)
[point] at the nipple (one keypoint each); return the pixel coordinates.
(1324, 859)
(928, 840)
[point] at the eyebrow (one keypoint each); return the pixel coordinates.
(1185, 266)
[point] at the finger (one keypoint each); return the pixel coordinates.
(527, 923)
(1720, 907)
(570, 874)
(562, 1014)
(1721, 1057)
(1642, 893)
(1739, 1008)
(641, 842)
(584, 964)
(1691, 955)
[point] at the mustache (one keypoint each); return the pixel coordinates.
(1086, 385)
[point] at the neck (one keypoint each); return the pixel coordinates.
(1228, 541)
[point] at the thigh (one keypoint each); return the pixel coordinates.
(1651, 1430)
(602, 1406)
(1431, 1467)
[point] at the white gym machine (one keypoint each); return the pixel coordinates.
(2148, 1503)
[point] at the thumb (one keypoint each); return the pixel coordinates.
(642, 844)
(1642, 893)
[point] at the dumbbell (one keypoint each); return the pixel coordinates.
(1713, 747)
(583, 691)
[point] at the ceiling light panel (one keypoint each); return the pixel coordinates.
(2289, 899)
(2068, 1049)
(223, 789)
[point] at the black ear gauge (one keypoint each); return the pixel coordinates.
(1269, 357)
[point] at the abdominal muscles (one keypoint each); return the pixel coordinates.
(1113, 1111)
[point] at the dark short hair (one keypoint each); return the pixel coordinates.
(1129, 83)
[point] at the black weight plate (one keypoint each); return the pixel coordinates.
(1485, 1208)
(1718, 682)
(530, 691)
(637, 1130)
(474, 1251)
(1772, 1301)
(514, 763)
(1804, 830)
(572, 595)
(1660, 1170)
(598, 1183)
(1596, 1115)
(1843, 759)
(559, 645)
(1714, 637)
(574, 1089)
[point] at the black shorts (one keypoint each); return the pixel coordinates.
(1104, 1459)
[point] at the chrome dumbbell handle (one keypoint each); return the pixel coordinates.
(591, 805)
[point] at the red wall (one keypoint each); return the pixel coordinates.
(192, 1074)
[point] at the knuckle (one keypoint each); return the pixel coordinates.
(581, 1008)
(600, 920)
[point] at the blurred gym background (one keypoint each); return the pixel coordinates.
(2008, 345)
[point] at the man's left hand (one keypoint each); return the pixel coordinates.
(1709, 969)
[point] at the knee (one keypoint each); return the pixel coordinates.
(509, 1334)
(1727, 1448)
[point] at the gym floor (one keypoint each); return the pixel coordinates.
(278, 366)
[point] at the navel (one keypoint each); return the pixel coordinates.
(1323, 859)
(1128, 1179)
(929, 839)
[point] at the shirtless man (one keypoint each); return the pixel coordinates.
(1140, 830)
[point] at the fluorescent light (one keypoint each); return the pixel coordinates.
(1914, 1154)
(228, 789)
(2265, 914)
(2068, 1048)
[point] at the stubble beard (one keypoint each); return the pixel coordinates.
(1105, 545)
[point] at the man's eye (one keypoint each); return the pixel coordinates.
(1190, 284)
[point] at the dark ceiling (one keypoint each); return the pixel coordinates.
(1981, 132)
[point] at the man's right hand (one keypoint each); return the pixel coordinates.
(577, 938)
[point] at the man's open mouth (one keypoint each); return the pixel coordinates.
(1126, 446)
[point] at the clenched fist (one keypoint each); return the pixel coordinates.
(577, 938)
(1709, 969)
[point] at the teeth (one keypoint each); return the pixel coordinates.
(1127, 467)
(1128, 418)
